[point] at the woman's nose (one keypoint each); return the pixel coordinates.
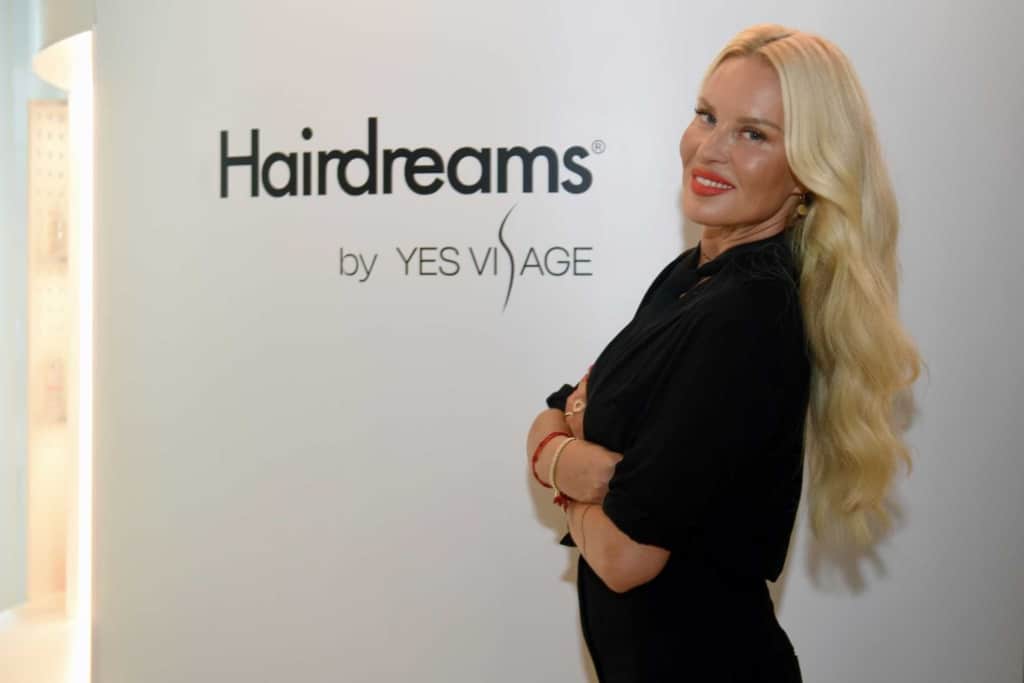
(714, 146)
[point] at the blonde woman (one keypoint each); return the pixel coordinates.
(682, 450)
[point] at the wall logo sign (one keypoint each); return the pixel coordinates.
(422, 170)
(325, 171)
(454, 261)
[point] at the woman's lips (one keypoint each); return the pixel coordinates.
(705, 190)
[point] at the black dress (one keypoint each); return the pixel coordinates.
(705, 396)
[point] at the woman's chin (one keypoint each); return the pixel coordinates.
(705, 218)
(696, 209)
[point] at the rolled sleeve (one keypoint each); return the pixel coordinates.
(558, 398)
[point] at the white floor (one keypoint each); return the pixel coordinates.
(35, 644)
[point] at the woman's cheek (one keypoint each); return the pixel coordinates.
(687, 145)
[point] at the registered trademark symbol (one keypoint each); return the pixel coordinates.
(598, 146)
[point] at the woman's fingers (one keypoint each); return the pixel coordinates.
(574, 413)
(576, 425)
(575, 405)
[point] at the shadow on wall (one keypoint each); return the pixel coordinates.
(825, 560)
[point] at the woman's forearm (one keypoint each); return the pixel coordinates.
(598, 549)
(584, 468)
(618, 560)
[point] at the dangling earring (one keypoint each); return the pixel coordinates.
(805, 204)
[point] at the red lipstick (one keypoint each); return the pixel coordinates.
(705, 190)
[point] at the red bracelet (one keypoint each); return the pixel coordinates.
(536, 454)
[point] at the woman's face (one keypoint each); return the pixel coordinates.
(747, 155)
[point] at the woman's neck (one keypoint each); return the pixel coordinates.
(715, 239)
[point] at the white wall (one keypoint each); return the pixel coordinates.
(304, 478)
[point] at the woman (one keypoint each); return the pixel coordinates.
(679, 456)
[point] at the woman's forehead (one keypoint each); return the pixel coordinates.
(745, 87)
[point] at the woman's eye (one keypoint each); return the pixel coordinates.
(756, 135)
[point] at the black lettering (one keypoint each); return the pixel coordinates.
(424, 169)
(412, 167)
(576, 260)
(564, 261)
(531, 254)
(426, 260)
(406, 259)
(252, 161)
(307, 158)
(306, 173)
(527, 158)
(582, 171)
(350, 259)
(325, 158)
(389, 158)
(369, 157)
(483, 157)
(288, 188)
(452, 261)
(481, 266)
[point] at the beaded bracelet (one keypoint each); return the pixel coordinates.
(560, 498)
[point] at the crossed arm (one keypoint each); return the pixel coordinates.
(584, 470)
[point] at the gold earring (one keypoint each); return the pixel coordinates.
(804, 206)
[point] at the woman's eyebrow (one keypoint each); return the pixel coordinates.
(742, 119)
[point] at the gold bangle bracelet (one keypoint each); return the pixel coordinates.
(554, 463)
(583, 530)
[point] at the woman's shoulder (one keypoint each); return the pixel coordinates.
(766, 296)
(676, 261)
(663, 275)
(754, 323)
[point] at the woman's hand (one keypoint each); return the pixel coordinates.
(585, 468)
(575, 405)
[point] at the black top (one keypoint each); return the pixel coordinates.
(705, 396)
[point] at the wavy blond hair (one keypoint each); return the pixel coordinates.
(862, 357)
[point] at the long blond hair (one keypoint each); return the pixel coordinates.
(862, 357)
